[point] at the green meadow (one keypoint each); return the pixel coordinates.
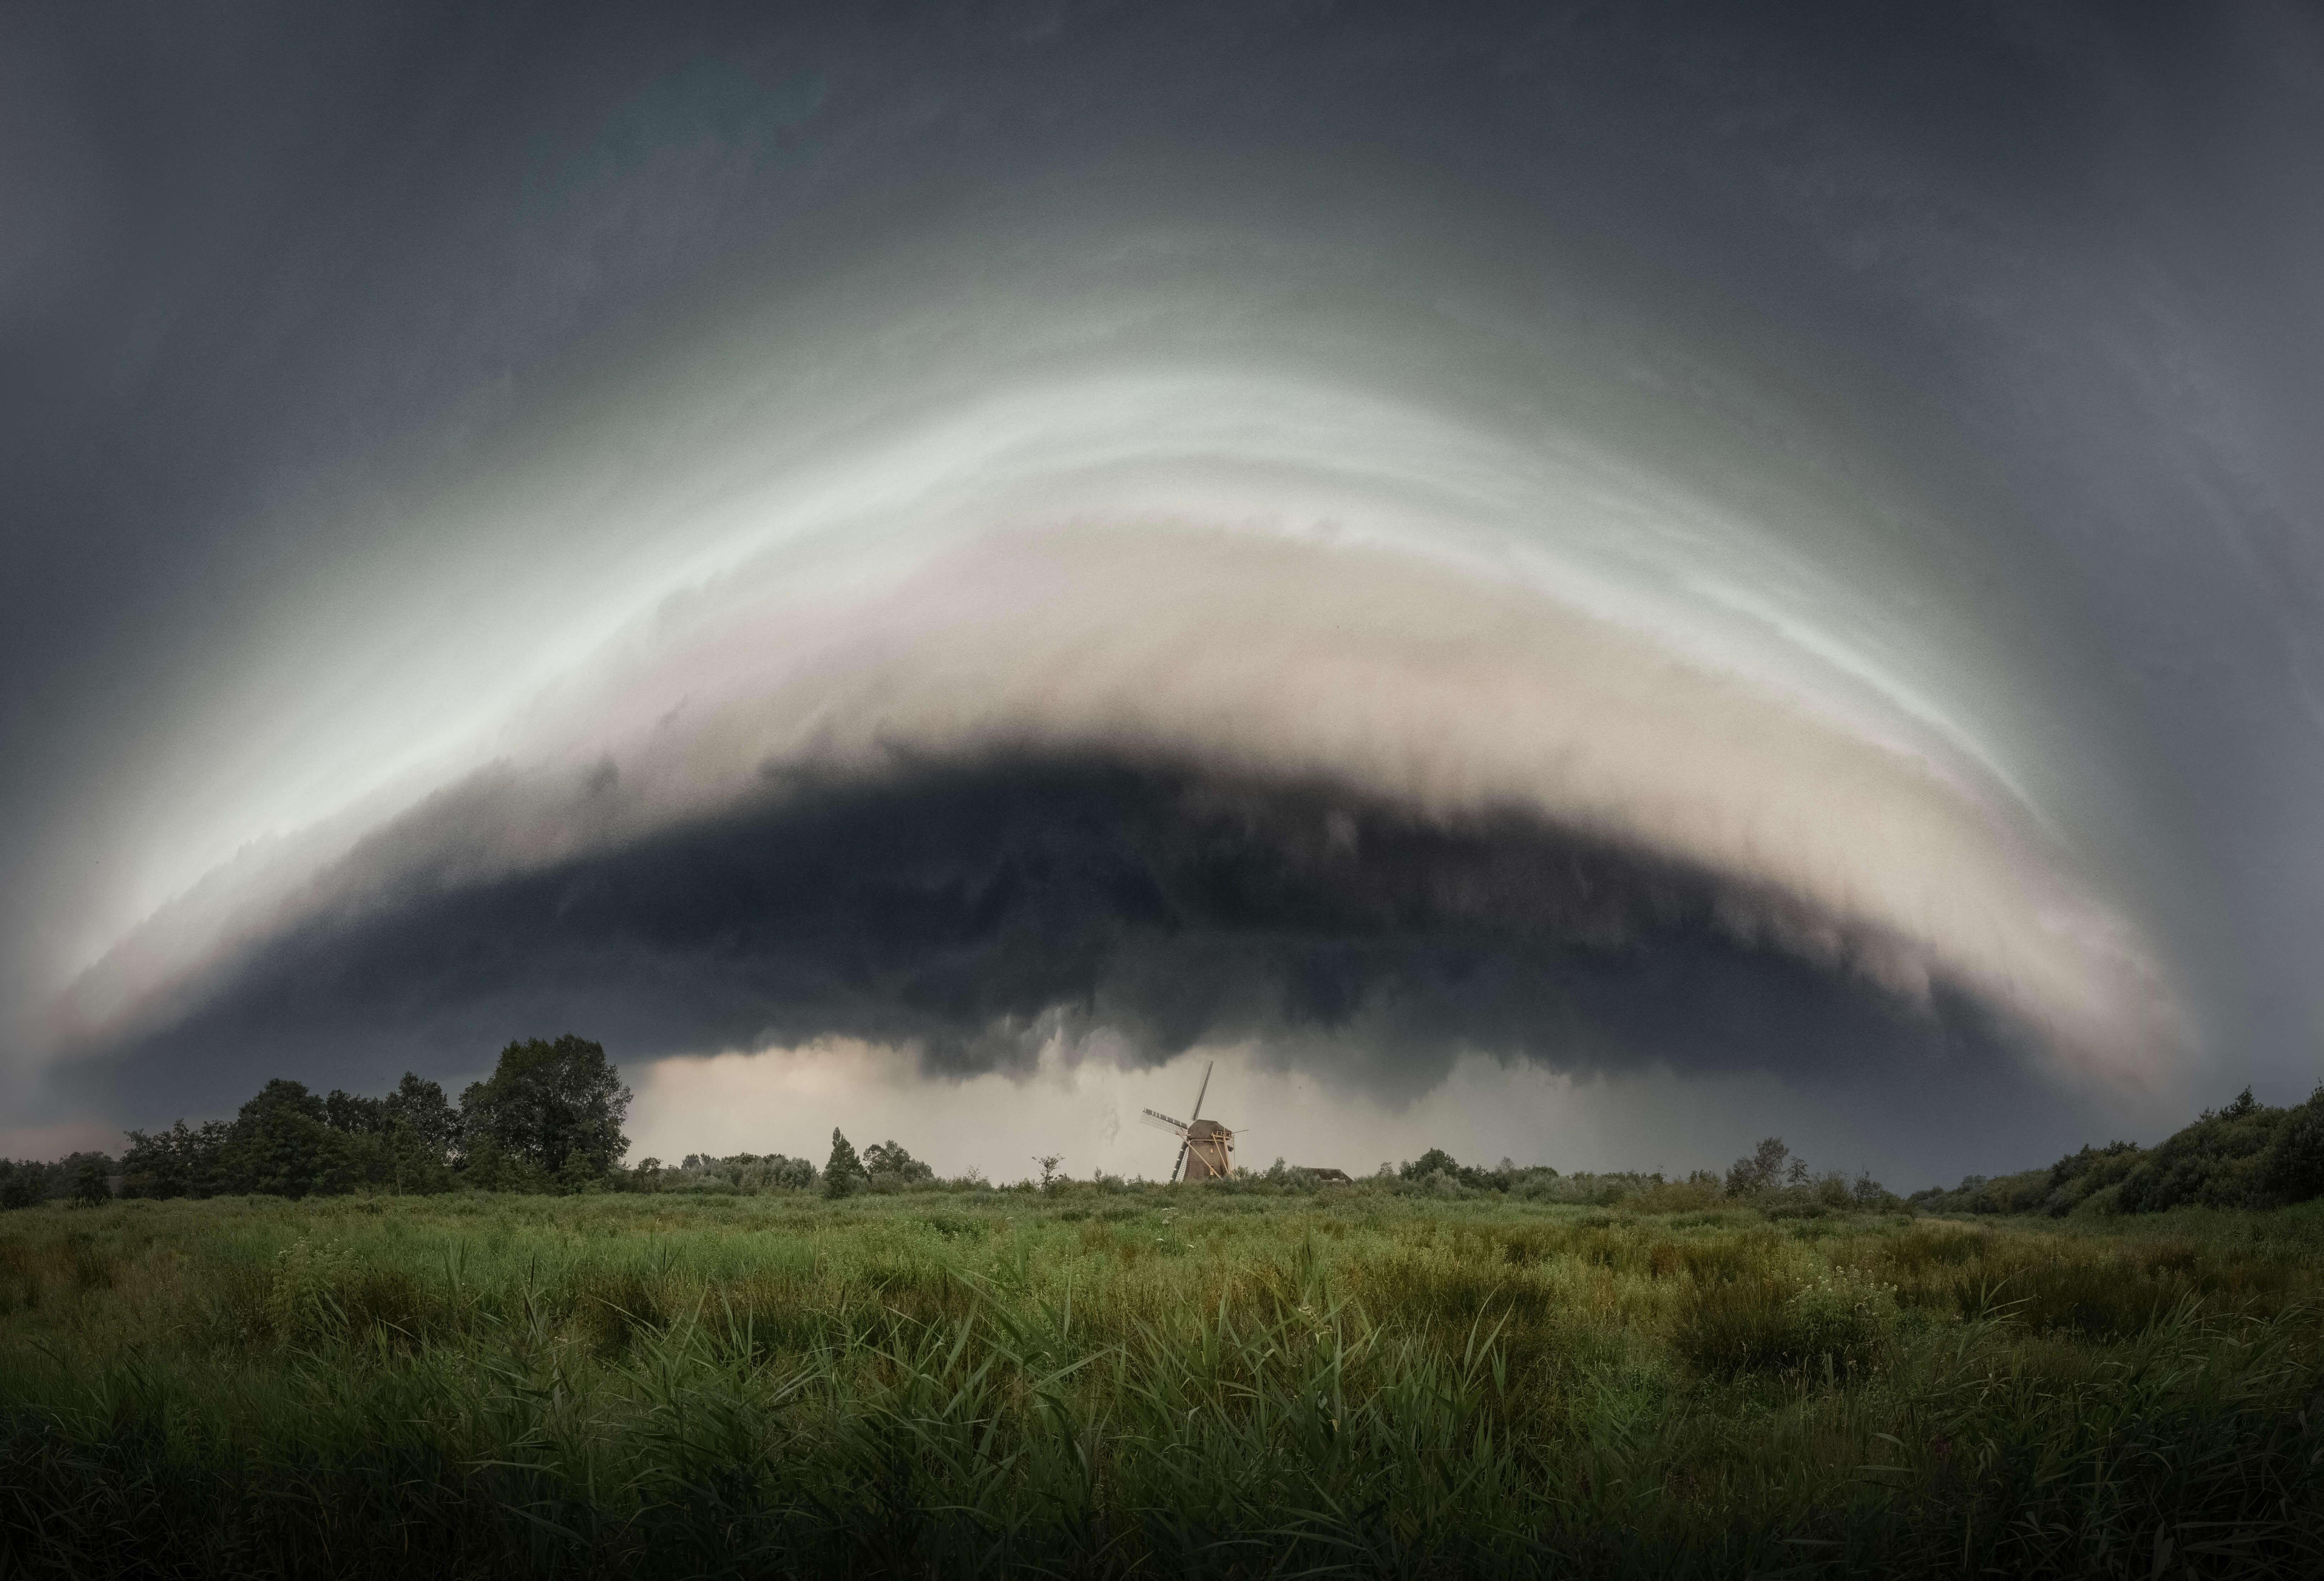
(1366, 1379)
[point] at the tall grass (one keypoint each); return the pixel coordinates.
(1173, 1382)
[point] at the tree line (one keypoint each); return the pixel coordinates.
(884, 1166)
(549, 1118)
(2248, 1154)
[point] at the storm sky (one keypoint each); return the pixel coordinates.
(1578, 582)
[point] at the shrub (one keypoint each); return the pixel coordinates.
(301, 1301)
(1834, 1324)
(1437, 1171)
(2221, 1160)
(2079, 1177)
(1677, 1197)
(2247, 1154)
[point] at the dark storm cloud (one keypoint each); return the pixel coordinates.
(1140, 784)
(977, 912)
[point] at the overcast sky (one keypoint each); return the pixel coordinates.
(1583, 582)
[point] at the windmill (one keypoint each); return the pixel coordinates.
(1206, 1147)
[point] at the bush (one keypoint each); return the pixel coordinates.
(302, 1303)
(2221, 1160)
(1677, 1197)
(2081, 1178)
(2247, 1155)
(1833, 1323)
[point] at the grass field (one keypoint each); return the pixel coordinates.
(1163, 1380)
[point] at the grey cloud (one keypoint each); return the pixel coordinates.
(1132, 785)
(977, 911)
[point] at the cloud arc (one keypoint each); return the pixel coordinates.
(1139, 780)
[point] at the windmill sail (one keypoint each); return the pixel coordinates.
(1178, 1168)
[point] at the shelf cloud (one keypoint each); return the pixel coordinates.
(1134, 785)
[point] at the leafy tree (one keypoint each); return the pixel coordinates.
(176, 1163)
(888, 1162)
(2081, 1177)
(551, 1112)
(743, 1171)
(150, 1166)
(1865, 1192)
(2221, 1160)
(420, 1129)
(1763, 1170)
(420, 1106)
(2247, 1154)
(2295, 1158)
(795, 1174)
(487, 1166)
(351, 1115)
(24, 1183)
(280, 1143)
(1435, 1162)
(845, 1174)
(88, 1178)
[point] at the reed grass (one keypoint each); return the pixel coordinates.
(1172, 1381)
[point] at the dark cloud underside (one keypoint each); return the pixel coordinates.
(977, 912)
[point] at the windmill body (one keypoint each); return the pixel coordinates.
(1210, 1151)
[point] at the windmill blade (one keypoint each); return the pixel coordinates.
(1159, 1118)
(1179, 1170)
(1162, 1123)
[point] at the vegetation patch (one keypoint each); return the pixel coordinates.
(1367, 1379)
(333, 1336)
